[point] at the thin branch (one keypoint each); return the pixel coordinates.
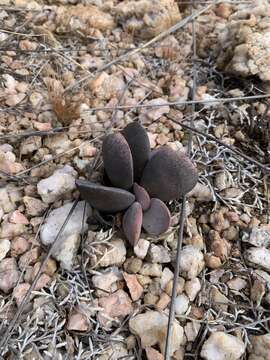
(183, 208)
(176, 274)
(215, 101)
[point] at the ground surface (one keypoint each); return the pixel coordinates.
(63, 85)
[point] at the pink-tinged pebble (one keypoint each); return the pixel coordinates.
(16, 217)
(42, 126)
(135, 288)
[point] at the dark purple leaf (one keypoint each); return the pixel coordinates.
(104, 198)
(141, 196)
(132, 223)
(157, 219)
(168, 174)
(118, 161)
(139, 144)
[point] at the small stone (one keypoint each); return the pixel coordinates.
(213, 262)
(259, 237)
(87, 150)
(19, 245)
(162, 139)
(217, 221)
(56, 219)
(135, 288)
(133, 265)
(149, 114)
(42, 126)
(179, 286)
(106, 282)
(8, 163)
(9, 275)
(158, 254)
(201, 193)
(219, 246)
(154, 287)
(115, 255)
(144, 280)
(4, 248)
(116, 351)
(260, 347)
(222, 346)
(42, 282)
(34, 207)
(50, 267)
(196, 241)
(181, 304)
(219, 300)
(151, 270)
(30, 144)
(191, 261)
(153, 354)
(192, 329)
(237, 284)
(36, 99)
(66, 251)
(61, 182)
(231, 234)
(130, 342)
(257, 291)
(167, 275)
(232, 216)
(152, 139)
(180, 353)
(78, 321)
(258, 257)
(19, 292)
(15, 99)
(9, 196)
(192, 288)
(9, 230)
(29, 258)
(58, 143)
(16, 217)
(151, 327)
(116, 305)
(150, 299)
(106, 86)
(141, 248)
(224, 10)
(163, 301)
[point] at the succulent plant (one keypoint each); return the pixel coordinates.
(137, 181)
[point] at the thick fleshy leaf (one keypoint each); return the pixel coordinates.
(157, 219)
(168, 174)
(105, 198)
(118, 161)
(132, 223)
(139, 144)
(141, 196)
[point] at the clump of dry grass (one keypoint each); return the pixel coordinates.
(63, 105)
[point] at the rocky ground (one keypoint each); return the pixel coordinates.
(73, 71)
